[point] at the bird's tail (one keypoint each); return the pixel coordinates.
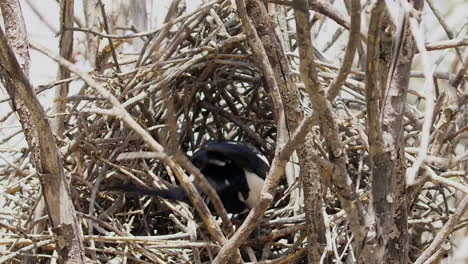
(173, 193)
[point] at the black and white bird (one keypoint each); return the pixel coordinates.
(236, 170)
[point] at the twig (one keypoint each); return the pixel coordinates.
(444, 232)
(350, 50)
(106, 28)
(417, 32)
(329, 127)
(25, 249)
(120, 111)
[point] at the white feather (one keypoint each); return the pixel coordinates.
(241, 197)
(255, 184)
(263, 158)
(217, 162)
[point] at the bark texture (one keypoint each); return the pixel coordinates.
(66, 48)
(46, 157)
(294, 112)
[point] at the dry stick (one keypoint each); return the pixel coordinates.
(175, 71)
(329, 128)
(415, 74)
(445, 27)
(327, 10)
(134, 241)
(390, 172)
(278, 163)
(17, 38)
(25, 249)
(119, 111)
(285, 259)
(444, 232)
(95, 188)
(120, 255)
(66, 49)
(39, 135)
(294, 111)
(15, 30)
(47, 160)
(334, 14)
(158, 36)
(380, 165)
(436, 178)
(333, 39)
(106, 28)
(326, 219)
(418, 34)
(90, 12)
(174, 239)
(373, 89)
(447, 44)
(439, 254)
(236, 120)
(147, 33)
(331, 12)
(350, 50)
(460, 76)
(112, 36)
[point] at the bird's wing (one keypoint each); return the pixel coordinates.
(242, 154)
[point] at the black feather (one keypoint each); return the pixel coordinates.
(242, 154)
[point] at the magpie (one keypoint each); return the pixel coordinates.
(236, 171)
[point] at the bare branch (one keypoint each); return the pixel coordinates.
(429, 88)
(350, 50)
(66, 50)
(444, 232)
(47, 159)
(122, 113)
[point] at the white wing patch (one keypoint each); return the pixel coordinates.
(219, 163)
(241, 197)
(263, 158)
(255, 184)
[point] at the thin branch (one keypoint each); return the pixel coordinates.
(429, 88)
(350, 50)
(46, 158)
(275, 172)
(122, 113)
(66, 51)
(329, 128)
(444, 232)
(106, 29)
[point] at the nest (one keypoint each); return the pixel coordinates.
(195, 79)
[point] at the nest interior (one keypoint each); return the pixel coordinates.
(193, 81)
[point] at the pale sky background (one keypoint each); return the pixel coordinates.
(44, 71)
